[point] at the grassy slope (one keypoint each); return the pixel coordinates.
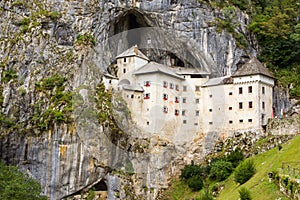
(259, 185)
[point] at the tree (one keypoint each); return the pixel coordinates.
(220, 170)
(16, 185)
(195, 183)
(244, 171)
(244, 194)
(235, 158)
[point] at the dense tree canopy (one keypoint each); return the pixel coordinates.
(16, 185)
(275, 23)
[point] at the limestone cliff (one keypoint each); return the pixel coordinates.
(57, 121)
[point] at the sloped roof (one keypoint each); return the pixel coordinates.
(253, 67)
(154, 67)
(217, 81)
(133, 51)
(190, 71)
(137, 88)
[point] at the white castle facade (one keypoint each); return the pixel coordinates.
(181, 102)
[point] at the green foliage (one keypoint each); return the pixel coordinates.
(8, 75)
(195, 182)
(85, 39)
(55, 15)
(60, 108)
(244, 194)
(205, 196)
(220, 170)
(235, 158)
(18, 186)
(277, 28)
(190, 171)
(50, 83)
(18, 3)
(91, 194)
(244, 171)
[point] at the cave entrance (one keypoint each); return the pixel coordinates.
(131, 19)
(100, 190)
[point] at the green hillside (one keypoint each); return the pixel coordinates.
(259, 184)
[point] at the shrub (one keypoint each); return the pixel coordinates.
(244, 171)
(235, 158)
(195, 183)
(86, 39)
(220, 170)
(205, 197)
(8, 75)
(244, 194)
(190, 171)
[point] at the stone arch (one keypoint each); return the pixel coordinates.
(100, 190)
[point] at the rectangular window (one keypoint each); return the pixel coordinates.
(263, 90)
(197, 112)
(176, 100)
(210, 123)
(177, 87)
(241, 121)
(165, 84)
(147, 83)
(250, 89)
(240, 90)
(263, 105)
(124, 60)
(171, 85)
(147, 96)
(184, 88)
(230, 108)
(176, 112)
(240, 105)
(184, 100)
(250, 104)
(165, 97)
(184, 121)
(210, 110)
(210, 96)
(196, 124)
(230, 93)
(249, 120)
(148, 123)
(124, 71)
(165, 109)
(197, 101)
(183, 113)
(197, 88)
(230, 121)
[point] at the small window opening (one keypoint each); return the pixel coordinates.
(240, 90)
(240, 105)
(165, 97)
(250, 89)
(250, 104)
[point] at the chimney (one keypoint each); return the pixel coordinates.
(136, 50)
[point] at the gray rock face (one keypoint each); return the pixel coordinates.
(38, 43)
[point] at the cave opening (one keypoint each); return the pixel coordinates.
(100, 186)
(132, 19)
